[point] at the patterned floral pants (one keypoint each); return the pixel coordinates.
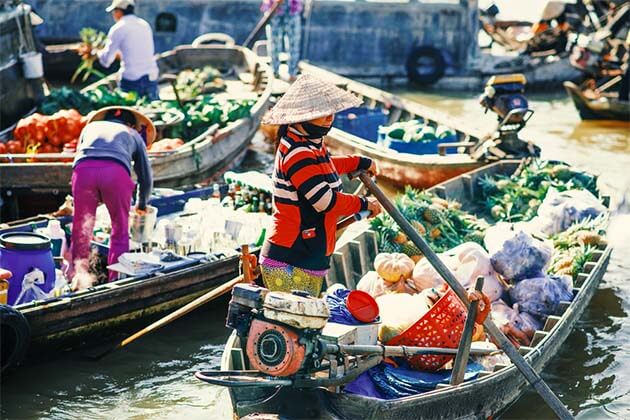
(284, 34)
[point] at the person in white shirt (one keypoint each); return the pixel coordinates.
(132, 38)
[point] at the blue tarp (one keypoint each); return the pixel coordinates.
(387, 382)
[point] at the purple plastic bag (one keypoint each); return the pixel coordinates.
(541, 296)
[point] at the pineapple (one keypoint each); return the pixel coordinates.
(419, 227)
(433, 214)
(410, 249)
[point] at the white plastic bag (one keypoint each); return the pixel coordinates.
(398, 311)
(559, 210)
(467, 261)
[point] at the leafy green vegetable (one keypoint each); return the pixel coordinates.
(517, 198)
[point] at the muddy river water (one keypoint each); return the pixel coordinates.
(153, 379)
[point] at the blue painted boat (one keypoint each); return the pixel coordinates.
(83, 317)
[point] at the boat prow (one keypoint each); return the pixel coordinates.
(603, 108)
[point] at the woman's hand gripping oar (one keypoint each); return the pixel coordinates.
(519, 361)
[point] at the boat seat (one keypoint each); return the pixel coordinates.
(214, 38)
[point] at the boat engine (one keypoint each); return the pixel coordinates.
(505, 96)
(281, 330)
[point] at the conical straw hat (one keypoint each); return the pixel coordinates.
(309, 98)
(142, 121)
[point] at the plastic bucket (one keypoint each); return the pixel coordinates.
(23, 252)
(32, 65)
(141, 225)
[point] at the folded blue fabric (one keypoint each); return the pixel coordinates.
(338, 310)
(387, 382)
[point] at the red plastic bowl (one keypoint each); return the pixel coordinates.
(362, 306)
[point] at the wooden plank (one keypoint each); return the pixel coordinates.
(580, 279)
(341, 269)
(499, 366)
(524, 350)
(538, 336)
(589, 266)
(360, 263)
(551, 322)
(563, 306)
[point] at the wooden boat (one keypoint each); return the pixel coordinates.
(604, 108)
(483, 397)
(211, 153)
(420, 171)
(83, 317)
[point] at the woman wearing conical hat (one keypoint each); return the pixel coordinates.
(307, 196)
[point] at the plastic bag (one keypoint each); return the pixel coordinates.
(375, 286)
(559, 210)
(517, 255)
(32, 284)
(541, 296)
(467, 261)
(491, 360)
(514, 322)
(399, 311)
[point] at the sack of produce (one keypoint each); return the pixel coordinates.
(400, 310)
(559, 210)
(517, 255)
(467, 261)
(376, 286)
(514, 323)
(541, 296)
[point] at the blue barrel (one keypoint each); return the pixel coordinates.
(22, 253)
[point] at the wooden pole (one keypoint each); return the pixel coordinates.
(461, 360)
(248, 275)
(249, 41)
(504, 343)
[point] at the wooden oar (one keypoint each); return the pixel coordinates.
(461, 359)
(504, 343)
(247, 276)
(249, 41)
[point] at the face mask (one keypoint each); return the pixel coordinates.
(315, 131)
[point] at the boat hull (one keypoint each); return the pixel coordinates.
(597, 110)
(401, 169)
(207, 155)
(488, 395)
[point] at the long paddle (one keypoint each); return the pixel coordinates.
(519, 361)
(248, 276)
(261, 24)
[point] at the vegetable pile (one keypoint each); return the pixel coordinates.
(442, 223)
(191, 83)
(517, 198)
(85, 102)
(205, 112)
(46, 134)
(415, 131)
(528, 271)
(59, 124)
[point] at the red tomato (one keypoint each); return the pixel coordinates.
(46, 148)
(14, 147)
(3, 148)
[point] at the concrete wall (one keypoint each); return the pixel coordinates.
(354, 38)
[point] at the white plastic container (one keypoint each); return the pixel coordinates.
(141, 225)
(32, 65)
(57, 237)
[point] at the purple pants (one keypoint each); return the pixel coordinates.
(93, 182)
